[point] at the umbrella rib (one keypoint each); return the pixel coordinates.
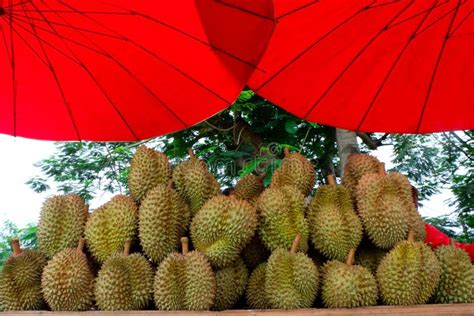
(12, 52)
(438, 61)
(462, 22)
(418, 14)
(56, 79)
(360, 53)
(7, 50)
(284, 15)
(437, 20)
(395, 64)
(233, 6)
(308, 48)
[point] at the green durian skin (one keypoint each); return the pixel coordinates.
(110, 226)
(249, 187)
(148, 169)
(291, 281)
(67, 282)
(195, 183)
(346, 286)
(408, 274)
(456, 284)
(163, 218)
(357, 166)
(222, 228)
(20, 281)
(295, 170)
(124, 283)
(185, 282)
(255, 293)
(335, 227)
(282, 217)
(231, 283)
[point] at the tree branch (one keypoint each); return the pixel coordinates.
(372, 143)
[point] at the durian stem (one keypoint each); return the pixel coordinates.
(16, 247)
(170, 184)
(191, 153)
(286, 151)
(382, 169)
(331, 180)
(351, 257)
(126, 248)
(262, 176)
(185, 245)
(452, 242)
(411, 236)
(80, 245)
(294, 245)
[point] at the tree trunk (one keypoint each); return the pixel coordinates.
(346, 145)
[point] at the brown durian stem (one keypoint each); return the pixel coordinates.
(351, 257)
(294, 245)
(382, 169)
(16, 247)
(126, 248)
(411, 236)
(262, 176)
(452, 242)
(185, 245)
(80, 245)
(331, 180)
(286, 151)
(191, 153)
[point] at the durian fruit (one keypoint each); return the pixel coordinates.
(408, 274)
(291, 279)
(20, 280)
(125, 282)
(335, 227)
(249, 187)
(61, 224)
(456, 284)
(110, 226)
(369, 256)
(222, 228)
(357, 166)
(231, 283)
(255, 293)
(345, 285)
(163, 219)
(255, 253)
(148, 169)
(384, 211)
(282, 216)
(67, 281)
(195, 183)
(295, 170)
(185, 281)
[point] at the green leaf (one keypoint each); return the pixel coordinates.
(291, 127)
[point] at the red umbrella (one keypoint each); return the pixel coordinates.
(374, 65)
(123, 70)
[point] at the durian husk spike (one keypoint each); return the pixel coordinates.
(382, 169)
(185, 245)
(331, 180)
(294, 245)
(126, 248)
(411, 236)
(286, 151)
(80, 246)
(351, 257)
(16, 247)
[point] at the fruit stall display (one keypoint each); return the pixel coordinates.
(177, 243)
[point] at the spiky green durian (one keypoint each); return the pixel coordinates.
(291, 279)
(61, 224)
(456, 284)
(148, 169)
(255, 293)
(163, 219)
(385, 212)
(185, 282)
(255, 253)
(222, 228)
(20, 280)
(110, 226)
(281, 211)
(295, 170)
(195, 183)
(249, 187)
(125, 282)
(335, 227)
(231, 283)
(67, 281)
(345, 285)
(357, 166)
(369, 256)
(408, 274)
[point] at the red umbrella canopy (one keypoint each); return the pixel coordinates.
(124, 70)
(373, 65)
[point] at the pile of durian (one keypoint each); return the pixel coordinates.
(178, 243)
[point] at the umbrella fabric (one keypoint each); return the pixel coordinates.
(402, 66)
(124, 70)
(436, 238)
